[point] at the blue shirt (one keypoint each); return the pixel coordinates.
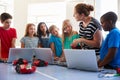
(112, 40)
(44, 41)
(30, 42)
(57, 43)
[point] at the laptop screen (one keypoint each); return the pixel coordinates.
(81, 59)
(16, 53)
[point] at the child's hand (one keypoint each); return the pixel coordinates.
(56, 58)
(3, 60)
(62, 59)
(72, 46)
(74, 43)
(99, 64)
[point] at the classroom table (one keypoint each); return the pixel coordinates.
(51, 72)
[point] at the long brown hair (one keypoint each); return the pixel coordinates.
(27, 29)
(84, 8)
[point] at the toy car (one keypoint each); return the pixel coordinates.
(25, 69)
(20, 61)
(39, 63)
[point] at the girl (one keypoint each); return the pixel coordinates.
(43, 34)
(7, 36)
(56, 43)
(30, 40)
(68, 35)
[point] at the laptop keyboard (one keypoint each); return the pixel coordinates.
(60, 63)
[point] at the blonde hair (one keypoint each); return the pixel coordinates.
(64, 25)
(52, 27)
(27, 29)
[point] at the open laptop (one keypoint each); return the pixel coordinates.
(44, 54)
(81, 59)
(16, 53)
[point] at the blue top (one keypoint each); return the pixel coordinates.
(30, 42)
(112, 40)
(57, 43)
(44, 41)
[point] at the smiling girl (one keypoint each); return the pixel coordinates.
(30, 40)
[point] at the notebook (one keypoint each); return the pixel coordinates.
(44, 54)
(27, 53)
(81, 59)
(16, 53)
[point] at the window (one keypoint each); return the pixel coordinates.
(50, 13)
(103, 6)
(6, 6)
(2, 9)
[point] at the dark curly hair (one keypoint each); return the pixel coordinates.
(110, 16)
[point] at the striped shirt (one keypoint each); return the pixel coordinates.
(88, 33)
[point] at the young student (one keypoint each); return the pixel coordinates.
(89, 28)
(56, 43)
(43, 34)
(68, 35)
(30, 39)
(7, 36)
(110, 50)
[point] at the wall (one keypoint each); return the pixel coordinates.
(45, 1)
(20, 18)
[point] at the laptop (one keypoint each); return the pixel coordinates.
(16, 53)
(44, 54)
(81, 59)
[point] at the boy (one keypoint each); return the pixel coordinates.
(7, 36)
(110, 50)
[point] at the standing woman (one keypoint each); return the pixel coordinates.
(90, 36)
(43, 34)
(7, 36)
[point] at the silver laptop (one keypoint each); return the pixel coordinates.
(81, 59)
(44, 54)
(16, 53)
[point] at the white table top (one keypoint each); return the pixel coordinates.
(51, 72)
